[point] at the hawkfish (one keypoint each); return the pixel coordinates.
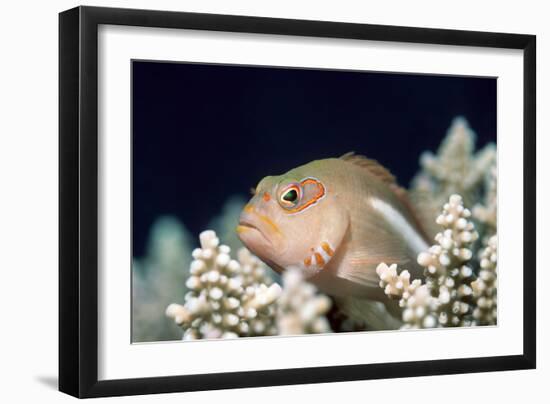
(336, 220)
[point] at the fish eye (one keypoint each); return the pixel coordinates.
(290, 196)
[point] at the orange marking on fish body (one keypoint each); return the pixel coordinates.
(266, 196)
(248, 208)
(319, 260)
(327, 249)
(307, 261)
(270, 223)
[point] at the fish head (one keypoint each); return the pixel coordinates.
(294, 220)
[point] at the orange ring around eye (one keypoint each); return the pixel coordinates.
(287, 204)
(320, 194)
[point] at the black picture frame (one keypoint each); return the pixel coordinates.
(78, 200)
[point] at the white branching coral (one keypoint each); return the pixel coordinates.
(301, 310)
(236, 298)
(419, 306)
(448, 275)
(394, 285)
(485, 286)
(486, 212)
(420, 309)
(227, 298)
(455, 169)
(451, 296)
(159, 277)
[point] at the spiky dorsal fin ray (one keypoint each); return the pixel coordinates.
(384, 175)
(373, 166)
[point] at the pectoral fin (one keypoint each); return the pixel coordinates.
(379, 237)
(361, 264)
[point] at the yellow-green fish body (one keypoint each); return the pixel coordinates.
(336, 219)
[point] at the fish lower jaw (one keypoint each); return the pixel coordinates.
(252, 237)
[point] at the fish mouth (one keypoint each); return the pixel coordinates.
(248, 225)
(245, 223)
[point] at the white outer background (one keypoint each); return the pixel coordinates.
(119, 359)
(28, 203)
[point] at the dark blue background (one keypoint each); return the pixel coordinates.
(202, 133)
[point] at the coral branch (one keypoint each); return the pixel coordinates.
(451, 296)
(448, 275)
(486, 212)
(300, 309)
(236, 298)
(396, 286)
(158, 278)
(419, 306)
(455, 169)
(227, 298)
(485, 286)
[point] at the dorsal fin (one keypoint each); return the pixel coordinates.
(383, 174)
(373, 166)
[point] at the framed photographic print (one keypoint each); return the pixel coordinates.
(250, 201)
